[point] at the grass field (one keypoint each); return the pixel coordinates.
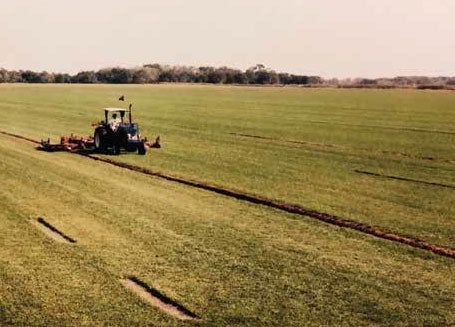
(231, 263)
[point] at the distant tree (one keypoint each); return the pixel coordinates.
(156, 66)
(4, 76)
(15, 77)
(86, 77)
(30, 77)
(145, 75)
(45, 77)
(62, 78)
(167, 76)
(239, 77)
(367, 81)
(121, 76)
(315, 80)
(104, 75)
(284, 78)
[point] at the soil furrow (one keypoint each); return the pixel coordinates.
(20, 137)
(397, 128)
(309, 143)
(404, 179)
(341, 147)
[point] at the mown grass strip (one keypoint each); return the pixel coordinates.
(52, 232)
(157, 299)
(291, 208)
(403, 179)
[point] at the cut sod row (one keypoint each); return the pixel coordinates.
(52, 232)
(340, 147)
(140, 288)
(403, 179)
(396, 128)
(291, 208)
(156, 299)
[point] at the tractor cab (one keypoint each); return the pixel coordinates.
(132, 129)
(110, 111)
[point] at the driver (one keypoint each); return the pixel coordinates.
(114, 122)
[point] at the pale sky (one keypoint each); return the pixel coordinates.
(330, 38)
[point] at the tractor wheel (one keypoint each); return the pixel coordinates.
(131, 147)
(99, 142)
(141, 148)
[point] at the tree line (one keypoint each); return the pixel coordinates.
(156, 73)
(258, 74)
(419, 82)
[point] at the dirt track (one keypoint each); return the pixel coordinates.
(291, 208)
(397, 128)
(404, 179)
(341, 147)
(296, 209)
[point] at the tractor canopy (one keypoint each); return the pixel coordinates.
(121, 111)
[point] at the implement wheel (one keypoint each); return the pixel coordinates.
(141, 148)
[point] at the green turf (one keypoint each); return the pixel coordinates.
(233, 263)
(195, 121)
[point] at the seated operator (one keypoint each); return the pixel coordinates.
(114, 122)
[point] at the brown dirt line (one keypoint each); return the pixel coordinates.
(397, 128)
(341, 147)
(309, 143)
(291, 208)
(20, 137)
(404, 179)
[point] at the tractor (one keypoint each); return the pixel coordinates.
(109, 136)
(126, 135)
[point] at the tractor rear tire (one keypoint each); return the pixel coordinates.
(141, 148)
(99, 142)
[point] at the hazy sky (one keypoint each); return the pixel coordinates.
(331, 38)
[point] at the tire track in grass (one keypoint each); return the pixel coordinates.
(397, 128)
(309, 143)
(403, 179)
(20, 137)
(290, 208)
(341, 147)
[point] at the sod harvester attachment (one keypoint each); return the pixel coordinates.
(108, 137)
